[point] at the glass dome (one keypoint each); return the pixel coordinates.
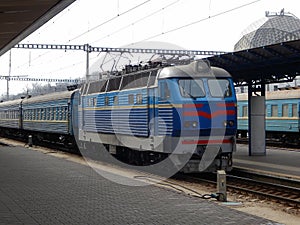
(274, 28)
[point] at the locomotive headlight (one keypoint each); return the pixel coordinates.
(187, 124)
(193, 124)
(229, 123)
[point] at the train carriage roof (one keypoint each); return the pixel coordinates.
(10, 103)
(196, 68)
(285, 94)
(49, 97)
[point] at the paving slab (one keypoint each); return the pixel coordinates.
(37, 188)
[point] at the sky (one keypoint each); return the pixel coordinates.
(190, 24)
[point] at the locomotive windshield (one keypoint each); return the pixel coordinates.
(194, 88)
(191, 88)
(219, 88)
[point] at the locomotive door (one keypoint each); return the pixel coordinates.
(164, 116)
(151, 111)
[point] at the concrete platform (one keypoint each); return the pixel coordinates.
(37, 188)
(278, 161)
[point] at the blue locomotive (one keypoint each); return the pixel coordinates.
(154, 112)
(145, 115)
(282, 110)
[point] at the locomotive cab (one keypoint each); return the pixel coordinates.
(204, 113)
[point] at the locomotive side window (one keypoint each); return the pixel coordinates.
(191, 88)
(219, 88)
(106, 100)
(116, 100)
(131, 99)
(164, 91)
(139, 98)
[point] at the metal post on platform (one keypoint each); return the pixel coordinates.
(221, 186)
(30, 143)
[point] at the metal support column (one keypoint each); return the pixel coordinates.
(256, 120)
(87, 48)
(249, 118)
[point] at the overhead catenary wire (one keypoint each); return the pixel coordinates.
(197, 21)
(137, 21)
(95, 27)
(109, 20)
(46, 26)
(56, 18)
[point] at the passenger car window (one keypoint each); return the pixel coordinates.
(294, 110)
(274, 110)
(245, 111)
(285, 110)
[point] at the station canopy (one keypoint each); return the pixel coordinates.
(19, 18)
(267, 52)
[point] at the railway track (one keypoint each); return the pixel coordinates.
(282, 190)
